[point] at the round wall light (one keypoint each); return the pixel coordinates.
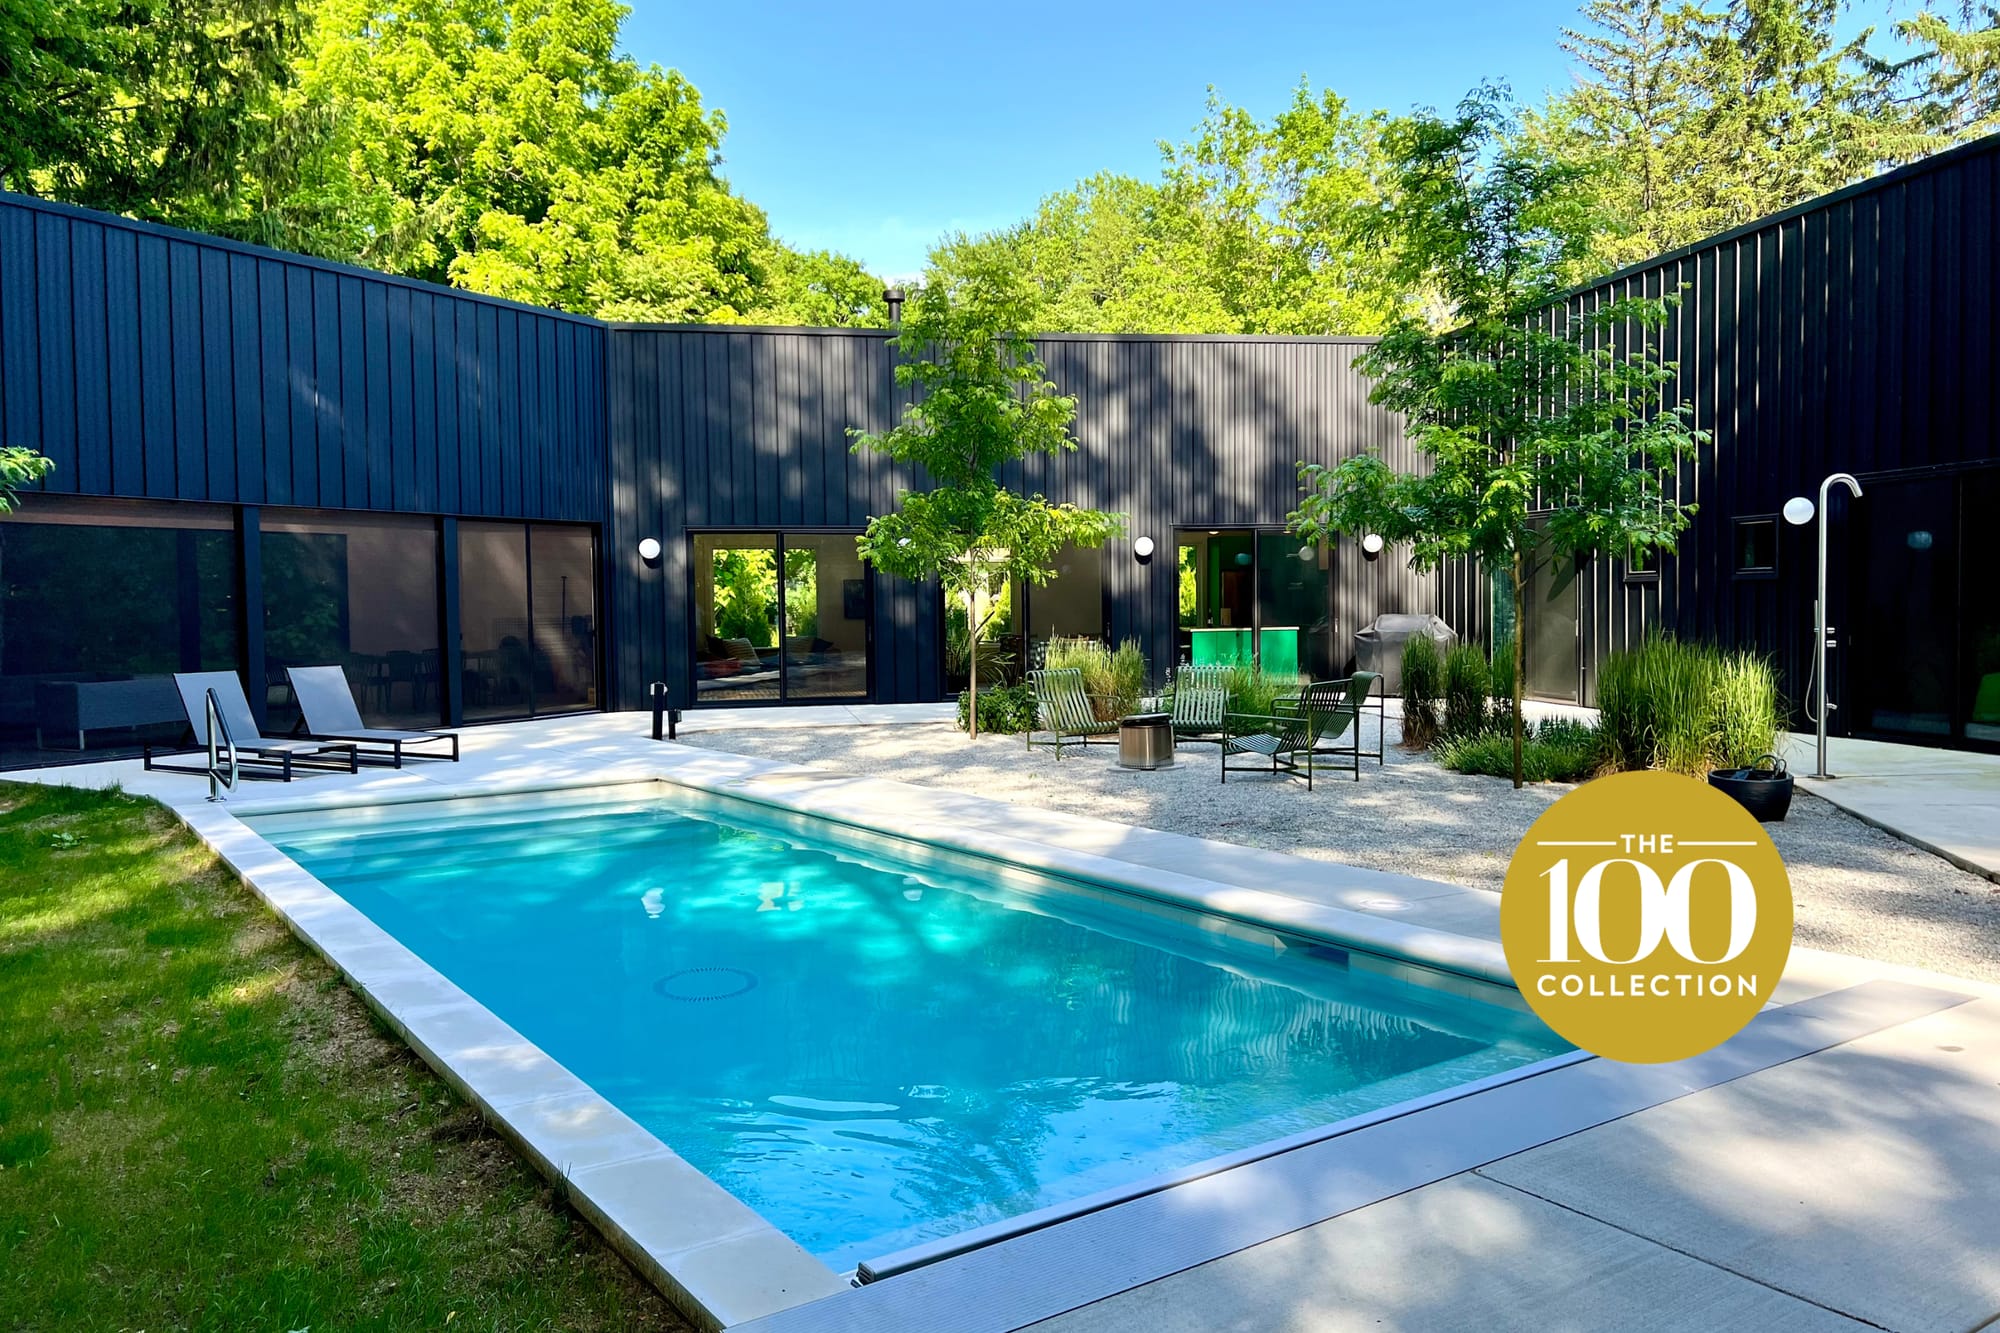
(649, 549)
(1143, 549)
(1371, 545)
(1798, 511)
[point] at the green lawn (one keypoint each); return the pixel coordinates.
(200, 1127)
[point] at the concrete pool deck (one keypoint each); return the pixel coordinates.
(1837, 1166)
(1945, 801)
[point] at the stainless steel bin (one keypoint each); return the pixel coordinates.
(1146, 740)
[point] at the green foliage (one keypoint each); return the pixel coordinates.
(1257, 691)
(1525, 403)
(1004, 710)
(1551, 751)
(1693, 119)
(1467, 681)
(1502, 668)
(20, 467)
(1244, 231)
(175, 1065)
(1114, 680)
(1686, 707)
(153, 108)
(504, 146)
(1423, 688)
(746, 595)
(979, 399)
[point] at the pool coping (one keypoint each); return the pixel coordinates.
(714, 1257)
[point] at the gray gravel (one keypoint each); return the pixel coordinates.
(1858, 890)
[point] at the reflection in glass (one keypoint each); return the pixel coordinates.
(1980, 618)
(356, 591)
(563, 600)
(1216, 621)
(1901, 665)
(529, 646)
(1552, 625)
(1071, 604)
(826, 618)
(1000, 646)
(101, 601)
(1295, 605)
(736, 653)
(496, 660)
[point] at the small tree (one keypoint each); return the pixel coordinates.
(980, 400)
(1544, 433)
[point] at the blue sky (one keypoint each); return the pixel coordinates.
(873, 129)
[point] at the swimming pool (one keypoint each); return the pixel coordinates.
(877, 1044)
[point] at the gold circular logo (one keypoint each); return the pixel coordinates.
(1646, 917)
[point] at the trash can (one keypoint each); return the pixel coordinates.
(1146, 741)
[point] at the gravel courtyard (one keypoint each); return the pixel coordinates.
(1858, 890)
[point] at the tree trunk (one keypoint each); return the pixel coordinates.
(972, 661)
(1520, 663)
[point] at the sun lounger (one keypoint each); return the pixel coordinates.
(327, 705)
(257, 755)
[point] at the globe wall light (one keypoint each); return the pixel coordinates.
(1142, 549)
(649, 550)
(1799, 511)
(1371, 546)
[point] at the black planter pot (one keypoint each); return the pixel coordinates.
(1765, 792)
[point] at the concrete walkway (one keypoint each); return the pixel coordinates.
(1945, 801)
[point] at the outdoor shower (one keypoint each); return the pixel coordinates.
(1799, 511)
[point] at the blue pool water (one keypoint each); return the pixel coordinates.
(875, 1044)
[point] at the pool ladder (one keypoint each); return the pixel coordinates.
(221, 752)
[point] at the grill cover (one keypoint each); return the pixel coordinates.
(1379, 648)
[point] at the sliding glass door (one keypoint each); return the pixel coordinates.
(1257, 594)
(1920, 634)
(779, 616)
(527, 618)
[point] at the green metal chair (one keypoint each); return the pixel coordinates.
(1063, 710)
(1291, 740)
(1354, 693)
(1201, 697)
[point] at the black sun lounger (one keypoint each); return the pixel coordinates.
(257, 755)
(330, 715)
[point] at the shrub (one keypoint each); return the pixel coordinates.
(1467, 682)
(1551, 751)
(1503, 683)
(1255, 690)
(1113, 680)
(1686, 707)
(1003, 709)
(1423, 684)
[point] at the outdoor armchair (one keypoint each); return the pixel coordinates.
(257, 755)
(327, 706)
(1353, 693)
(1289, 741)
(1201, 696)
(1063, 711)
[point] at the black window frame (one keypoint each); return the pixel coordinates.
(1737, 525)
(778, 533)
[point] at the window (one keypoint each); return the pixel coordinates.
(527, 618)
(1642, 564)
(1756, 542)
(357, 591)
(100, 602)
(779, 616)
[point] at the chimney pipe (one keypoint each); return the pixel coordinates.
(893, 297)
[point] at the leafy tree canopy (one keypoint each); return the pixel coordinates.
(1245, 231)
(1541, 429)
(979, 400)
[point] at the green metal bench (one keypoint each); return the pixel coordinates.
(1290, 741)
(1352, 693)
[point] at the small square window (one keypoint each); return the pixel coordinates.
(1757, 546)
(1642, 564)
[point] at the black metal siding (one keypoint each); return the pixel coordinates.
(158, 364)
(1852, 333)
(747, 429)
